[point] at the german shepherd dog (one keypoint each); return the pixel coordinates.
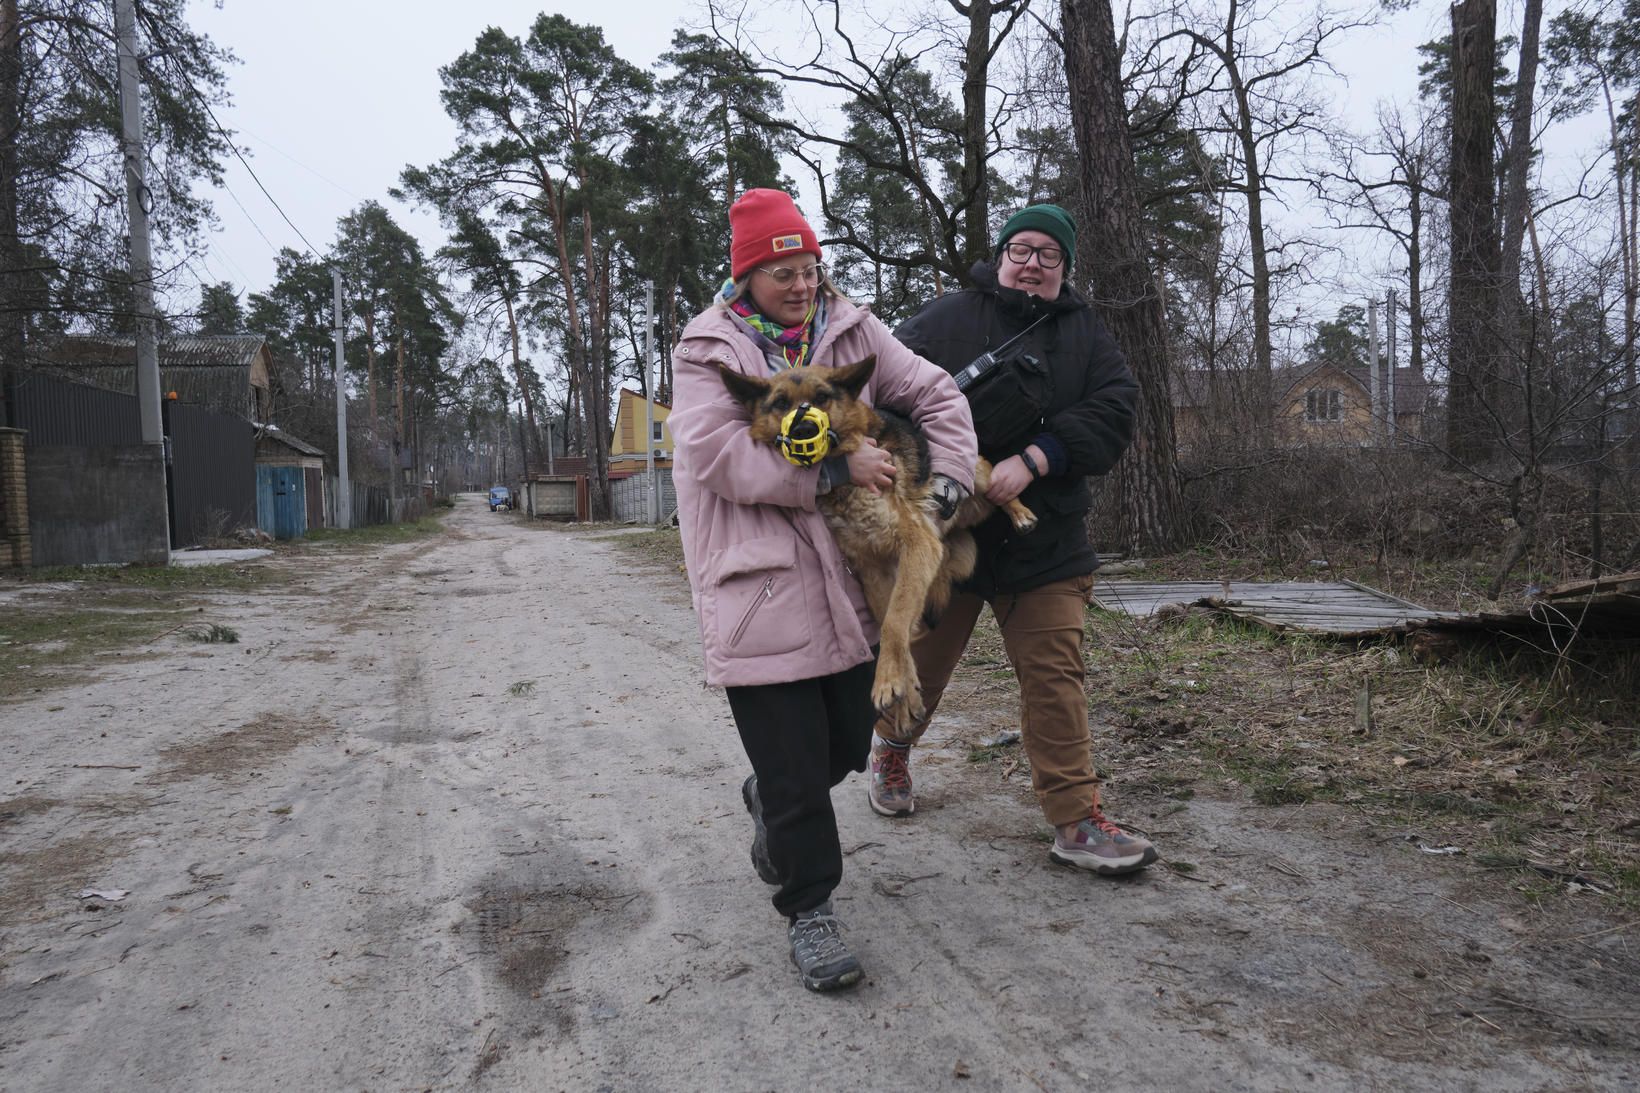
(906, 556)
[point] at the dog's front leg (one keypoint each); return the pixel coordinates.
(896, 692)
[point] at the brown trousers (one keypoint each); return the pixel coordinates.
(1042, 632)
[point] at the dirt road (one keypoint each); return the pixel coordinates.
(459, 814)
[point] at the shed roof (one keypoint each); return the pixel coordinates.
(278, 436)
(176, 351)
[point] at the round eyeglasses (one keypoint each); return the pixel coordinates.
(785, 275)
(1020, 253)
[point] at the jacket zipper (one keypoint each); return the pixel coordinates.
(763, 594)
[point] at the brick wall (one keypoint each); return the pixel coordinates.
(14, 537)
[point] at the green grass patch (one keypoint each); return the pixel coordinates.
(193, 578)
(38, 645)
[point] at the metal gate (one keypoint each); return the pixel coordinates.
(212, 473)
(281, 504)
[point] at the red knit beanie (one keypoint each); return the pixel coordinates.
(765, 225)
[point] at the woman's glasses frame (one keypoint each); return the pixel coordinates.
(1046, 257)
(785, 275)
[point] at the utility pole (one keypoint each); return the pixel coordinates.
(344, 490)
(138, 203)
(649, 399)
(1372, 365)
(1389, 331)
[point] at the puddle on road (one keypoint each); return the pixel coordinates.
(528, 933)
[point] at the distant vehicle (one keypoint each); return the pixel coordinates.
(500, 498)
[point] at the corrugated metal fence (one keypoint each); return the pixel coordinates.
(630, 497)
(59, 413)
(213, 473)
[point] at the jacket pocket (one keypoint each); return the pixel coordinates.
(1009, 404)
(762, 609)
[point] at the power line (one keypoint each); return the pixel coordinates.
(241, 157)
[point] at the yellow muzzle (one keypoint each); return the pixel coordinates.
(806, 436)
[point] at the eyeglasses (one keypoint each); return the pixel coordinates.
(1020, 253)
(785, 275)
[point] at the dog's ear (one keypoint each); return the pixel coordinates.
(745, 389)
(852, 377)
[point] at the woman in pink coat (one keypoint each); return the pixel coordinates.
(783, 622)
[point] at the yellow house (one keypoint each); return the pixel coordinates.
(1317, 405)
(1325, 406)
(627, 451)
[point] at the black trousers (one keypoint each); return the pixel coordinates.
(803, 738)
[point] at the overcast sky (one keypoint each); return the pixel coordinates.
(334, 97)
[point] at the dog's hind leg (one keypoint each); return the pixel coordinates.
(896, 692)
(957, 564)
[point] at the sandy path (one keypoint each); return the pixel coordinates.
(356, 861)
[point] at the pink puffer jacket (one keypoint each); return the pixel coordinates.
(774, 599)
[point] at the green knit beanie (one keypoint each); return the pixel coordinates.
(1048, 219)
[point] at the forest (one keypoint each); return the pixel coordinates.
(1265, 264)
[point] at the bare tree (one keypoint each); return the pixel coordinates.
(1387, 183)
(1472, 308)
(873, 78)
(1258, 94)
(1111, 251)
(973, 191)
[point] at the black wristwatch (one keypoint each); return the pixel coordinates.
(1030, 464)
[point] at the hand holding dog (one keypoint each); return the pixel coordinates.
(871, 467)
(1010, 477)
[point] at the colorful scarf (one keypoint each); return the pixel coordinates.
(783, 346)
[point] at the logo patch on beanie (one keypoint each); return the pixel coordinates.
(783, 243)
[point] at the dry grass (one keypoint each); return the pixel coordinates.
(1528, 761)
(661, 548)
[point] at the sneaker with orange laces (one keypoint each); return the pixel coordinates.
(1100, 846)
(890, 788)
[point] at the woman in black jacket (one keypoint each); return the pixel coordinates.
(1057, 408)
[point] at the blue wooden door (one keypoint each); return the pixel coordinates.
(281, 507)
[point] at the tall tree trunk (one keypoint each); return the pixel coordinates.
(1111, 253)
(1476, 261)
(1518, 155)
(13, 317)
(532, 435)
(972, 185)
(1415, 270)
(728, 157)
(370, 373)
(1261, 391)
(1514, 323)
(398, 391)
(595, 400)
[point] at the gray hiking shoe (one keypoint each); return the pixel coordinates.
(819, 952)
(760, 834)
(890, 788)
(1098, 845)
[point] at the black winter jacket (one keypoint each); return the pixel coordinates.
(1086, 428)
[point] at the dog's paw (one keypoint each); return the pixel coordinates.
(898, 700)
(1024, 521)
